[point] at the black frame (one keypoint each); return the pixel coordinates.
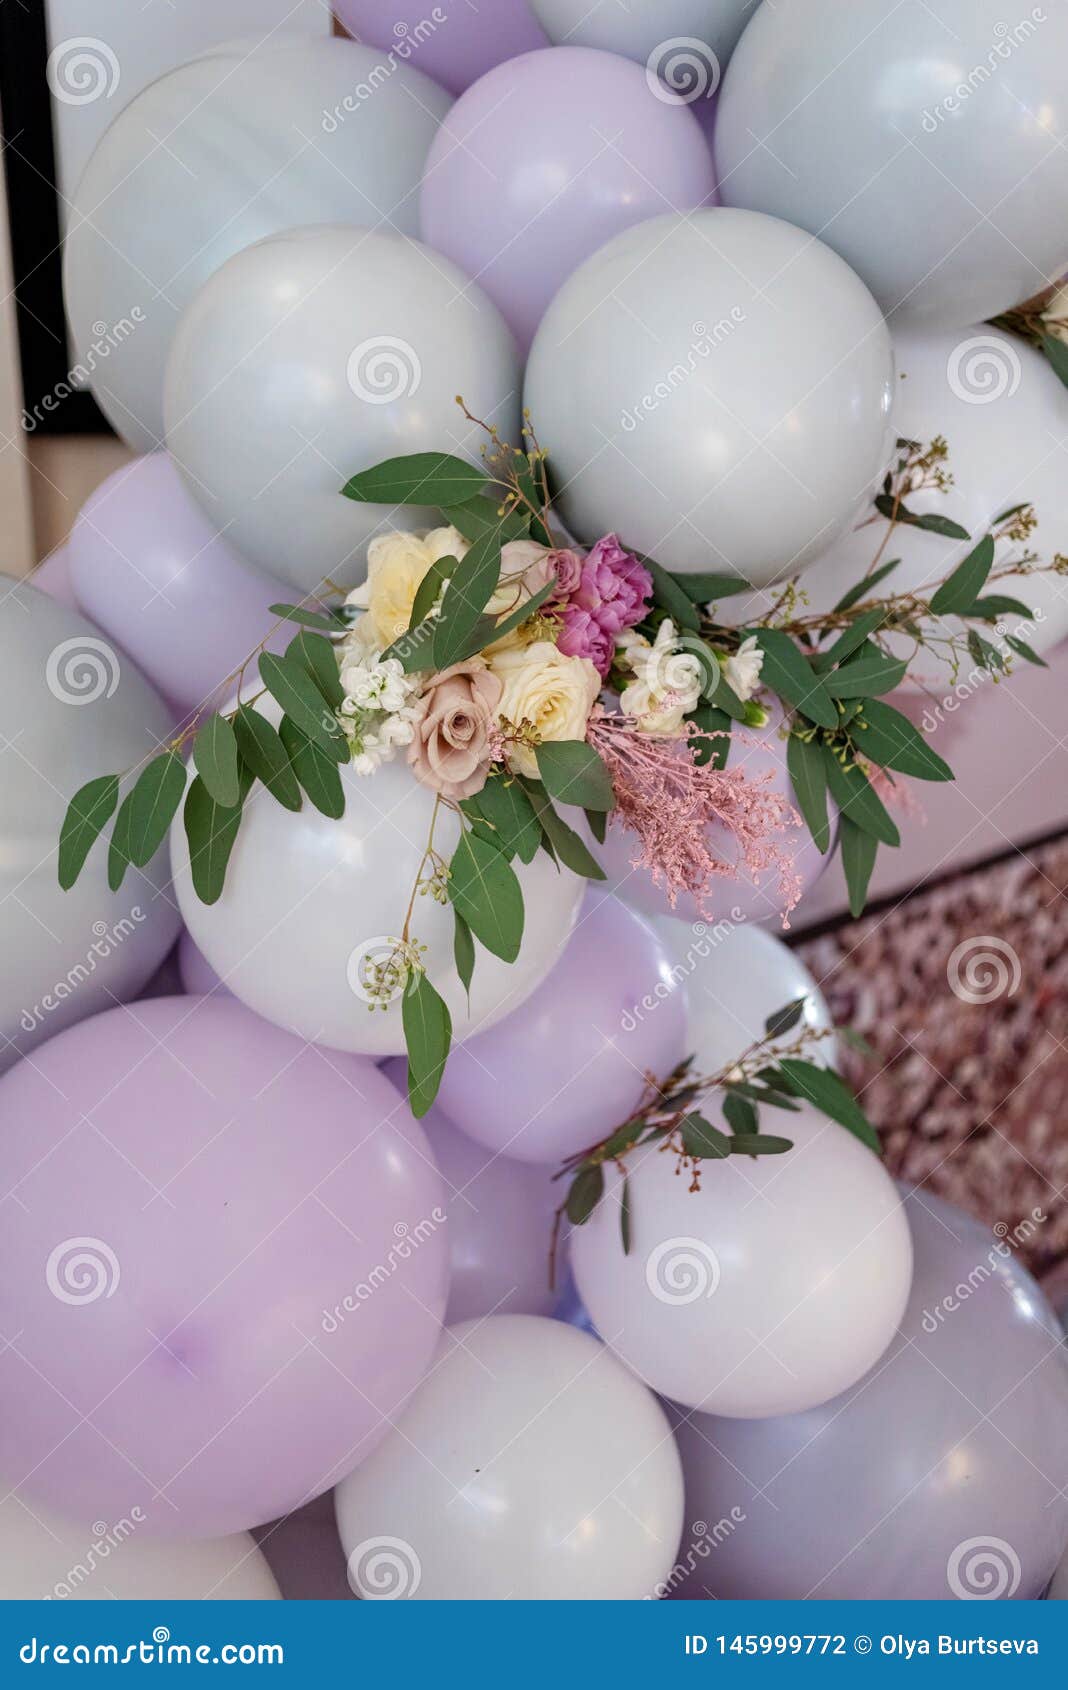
(33, 217)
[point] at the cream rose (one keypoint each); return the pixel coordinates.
(396, 564)
(525, 569)
(551, 693)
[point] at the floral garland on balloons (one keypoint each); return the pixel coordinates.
(522, 677)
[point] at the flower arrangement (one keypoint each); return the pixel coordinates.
(520, 676)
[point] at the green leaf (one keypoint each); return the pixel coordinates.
(866, 675)
(932, 522)
(788, 675)
(414, 649)
(823, 1088)
(597, 822)
(987, 656)
(215, 757)
(421, 478)
(427, 1034)
(710, 719)
(624, 1216)
(495, 629)
(1057, 354)
(782, 1020)
(702, 587)
(119, 858)
(760, 1144)
(315, 769)
(87, 814)
(1022, 649)
(263, 751)
(864, 587)
(852, 637)
(586, 1191)
(426, 594)
(808, 777)
(463, 951)
(858, 800)
(310, 618)
(886, 737)
(672, 596)
(506, 807)
(701, 1138)
(470, 588)
(290, 684)
(562, 840)
(572, 772)
(480, 516)
(154, 801)
(995, 605)
(740, 1114)
(484, 888)
(961, 589)
(318, 657)
(211, 829)
(858, 859)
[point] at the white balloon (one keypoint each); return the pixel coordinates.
(1001, 410)
(530, 1465)
(687, 381)
(46, 1558)
(769, 1290)
(667, 35)
(921, 140)
(241, 142)
(72, 707)
(318, 353)
(500, 1221)
(310, 902)
(735, 977)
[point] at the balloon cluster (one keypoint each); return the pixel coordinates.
(689, 239)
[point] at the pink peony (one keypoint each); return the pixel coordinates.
(582, 635)
(614, 587)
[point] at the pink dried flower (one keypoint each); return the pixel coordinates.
(614, 587)
(676, 809)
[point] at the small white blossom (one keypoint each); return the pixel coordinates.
(742, 670)
(668, 684)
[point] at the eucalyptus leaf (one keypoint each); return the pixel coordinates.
(483, 887)
(216, 758)
(262, 750)
(961, 589)
(290, 684)
(859, 851)
(823, 1088)
(88, 813)
(572, 772)
(858, 800)
(154, 800)
(791, 677)
(886, 737)
(586, 1191)
(808, 777)
(427, 1035)
(421, 478)
(315, 769)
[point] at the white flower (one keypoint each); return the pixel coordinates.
(668, 684)
(551, 692)
(742, 671)
(396, 564)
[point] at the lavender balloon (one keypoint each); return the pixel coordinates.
(545, 159)
(941, 1474)
(453, 44)
(744, 899)
(568, 1067)
(197, 974)
(226, 1260)
(149, 568)
(52, 576)
(500, 1221)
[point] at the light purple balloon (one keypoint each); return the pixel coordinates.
(197, 974)
(738, 900)
(52, 576)
(940, 1475)
(149, 568)
(225, 1261)
(500, 1221)
(568, 1067)
(467, 41)
(545, 159)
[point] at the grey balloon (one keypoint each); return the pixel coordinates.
(72, 707)
(667, 35)
(317, 353)
(923, 140)
(940, 1475)
(242, 141)
(715, 387)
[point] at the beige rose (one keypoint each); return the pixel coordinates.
(396, 564)
(553, 694)
(526, 568)
(450, 751)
